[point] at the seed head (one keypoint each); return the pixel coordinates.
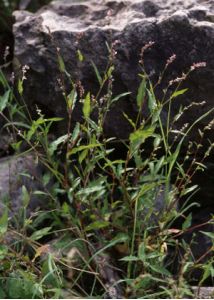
(198, 65)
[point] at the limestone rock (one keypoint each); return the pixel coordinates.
(184, 28)
(16, 172)
(203, 292)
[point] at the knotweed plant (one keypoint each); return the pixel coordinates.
(109, 228)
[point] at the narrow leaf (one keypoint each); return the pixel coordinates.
(40, 233)
(87, 106)
(61, 64)
(97, 73)
(20, 87)
(80, 56)
(54, 145)
(130, 258)
(129, 120)
(4, 100)
(25, 196)
(141, 93)
(187, 223)
(115, 99)
(4, 222)
(97, 225)
(83, 147)
(71, 99)
(151, 101)
(177, 93)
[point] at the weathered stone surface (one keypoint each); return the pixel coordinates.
(203, 292)
(16, 172)
(185, 28)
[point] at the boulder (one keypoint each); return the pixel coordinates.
(16, 172)
(184, 28)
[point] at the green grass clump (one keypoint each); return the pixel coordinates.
(109, 227)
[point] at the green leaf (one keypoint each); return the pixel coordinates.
(139, 136)
(56, 119)
(20, 288)
(4, 222)
(40, 233)
(3, 251)
(54, 145)
(130, 258)
(157, 141)
(76, 132)
(160, 270)
(87, 106)
(144, 282)
(209, 234)
(156, 114)
(32, 130)
(152, 104)
(159, 164)
(83, 155)
(187, 223)
(189, 190)
(83, 147)
(146, 188)
(177, 93)
(16, 146)
(20, 87)
(207, 273)
(115, 162)
(80, 56)
(40, 193)
(141, 252)
(129, 120)
(115, 99)
(49, 272)
(97, 73)
(90, 190)
(17, 124)
(61, 64)
(25, 197)
(97, 225)
(141, 93)
(109, 73)
(71, 99)
(4, 100)
(65, 208)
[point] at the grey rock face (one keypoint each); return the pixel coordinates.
(16, 172)
(184, 28)
(203, 292)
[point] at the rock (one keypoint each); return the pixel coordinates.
(5, 143)
(32, 5)
(6, 37)
(203, 292)
(184, 28)
(16, 172)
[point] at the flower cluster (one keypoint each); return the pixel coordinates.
(170, 60)
(144, 48)
(25, 68)
(198, 65)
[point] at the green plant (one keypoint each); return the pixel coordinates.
(112, 228)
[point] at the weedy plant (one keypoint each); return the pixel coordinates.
(109, 229)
